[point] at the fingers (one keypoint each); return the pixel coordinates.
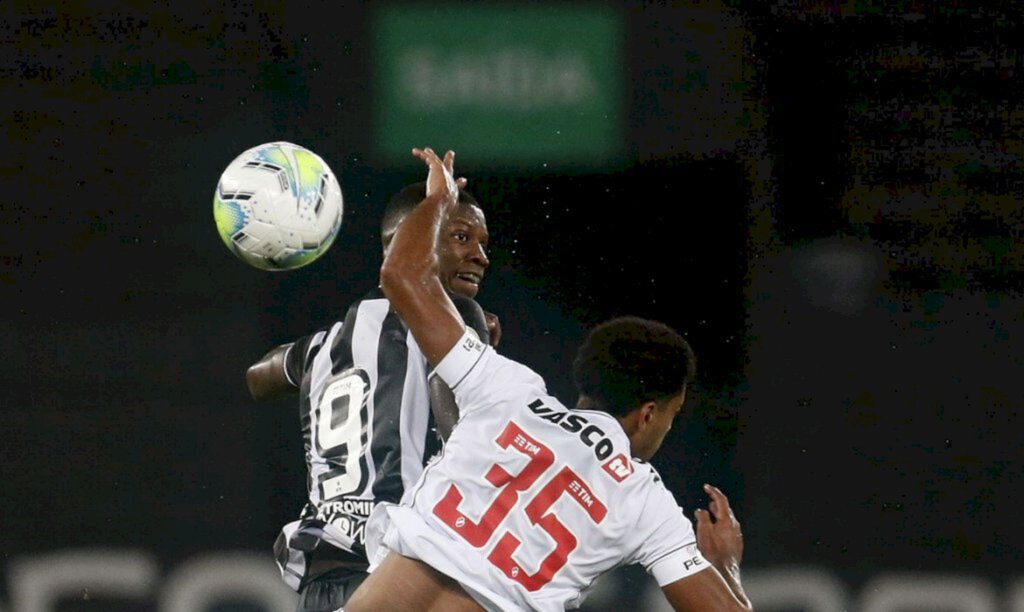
(703, 519)
(448, 163)
(427, 154)
(439, 177)
(719, 502)
(716, 493)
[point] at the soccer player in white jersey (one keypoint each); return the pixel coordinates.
(529, 503)
(365, 414)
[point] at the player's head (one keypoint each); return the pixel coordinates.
(637, 371)
(463, 256)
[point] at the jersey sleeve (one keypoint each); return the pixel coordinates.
(300, 353)
(461, 360)
(667, 544)
(482, 378)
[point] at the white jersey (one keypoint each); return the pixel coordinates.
(529, 503)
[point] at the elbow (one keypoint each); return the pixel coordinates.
(267, 377)
(390, 279)
(400, 281)
(252, 382)
(393, 282)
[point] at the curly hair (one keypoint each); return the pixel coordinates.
(627, 361)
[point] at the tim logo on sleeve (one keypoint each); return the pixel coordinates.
(618, 467)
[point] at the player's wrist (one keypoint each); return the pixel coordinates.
(733, 568)
(727, 566)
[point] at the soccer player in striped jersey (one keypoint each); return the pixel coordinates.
(368, 419)
(530, 502)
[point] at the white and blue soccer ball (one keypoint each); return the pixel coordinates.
(278, 206)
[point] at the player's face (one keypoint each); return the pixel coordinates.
(464, 251)
(662, 417)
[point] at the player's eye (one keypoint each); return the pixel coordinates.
(460, 236)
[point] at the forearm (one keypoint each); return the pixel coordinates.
(709, 589)
(731, 574)
(409, 274)
(411, 260)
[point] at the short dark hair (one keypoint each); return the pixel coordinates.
(627, 361)
(402, 203)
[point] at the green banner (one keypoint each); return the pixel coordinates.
(501, 84)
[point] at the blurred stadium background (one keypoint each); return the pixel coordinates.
(826, 197)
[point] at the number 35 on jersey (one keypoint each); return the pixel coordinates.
(537, 509)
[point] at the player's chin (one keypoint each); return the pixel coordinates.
(464, 287)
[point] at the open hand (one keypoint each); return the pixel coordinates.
(440, 177)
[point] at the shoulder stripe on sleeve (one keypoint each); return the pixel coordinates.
(471, 368)
(288, 376)
(669, 553)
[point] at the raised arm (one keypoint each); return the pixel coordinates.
(409, 274)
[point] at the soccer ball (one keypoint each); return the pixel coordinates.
(278, 206)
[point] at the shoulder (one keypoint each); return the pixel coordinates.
(369, 313)
(479, 376)
(648, 472)
(499, 372)
(644, 482)
(373, 300)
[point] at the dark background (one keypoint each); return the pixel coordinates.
(843, 251)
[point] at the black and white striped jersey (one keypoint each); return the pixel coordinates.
(367, 430)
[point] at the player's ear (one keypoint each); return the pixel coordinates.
(646, 413)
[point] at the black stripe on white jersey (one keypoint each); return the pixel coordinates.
(387, 441)
(304, 354)
(341, 361)
(387, 447)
